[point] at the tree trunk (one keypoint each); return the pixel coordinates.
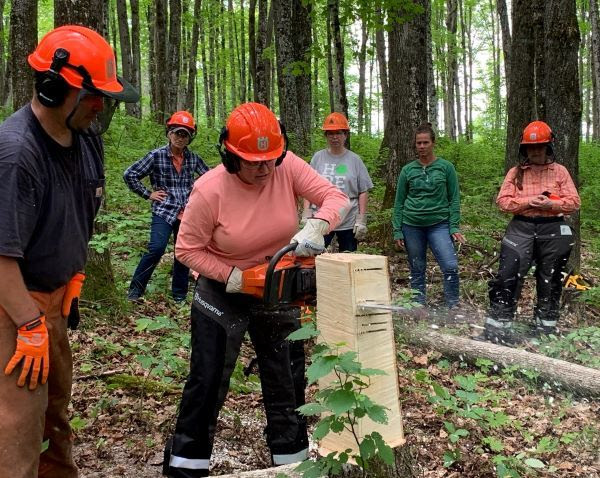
(136, 55)
(451, 17)
(407, 94)
(192, 70)
(330, 77)
(362, 66)
(160, 55)
(243, 53)
(539, 68)
(334, 6)
(252, 47)
(292, 41)
(563, 106)
(595, 56)
(573, 377)
(173, 55)
(382, 60)
(463, 40)
(23, 40)
(315, 91)
(212, 66)
(125, 44)
(233, 92)
(432, 98)
(3, 62)
(520, 103)
(263, 64)
(503, 16)
(90, 13)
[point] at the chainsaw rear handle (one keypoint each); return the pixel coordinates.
(271, 269)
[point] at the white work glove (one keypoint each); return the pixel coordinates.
(310, 238)
(360, 227)
(234, 281)
(306, 215)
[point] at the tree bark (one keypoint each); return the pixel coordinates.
(595, 57)
(334, 6)
(503, 16)
(563, 105)
(263, 63)
(3, 62)
(173, 55)
(243, 53)
(160, 60)
(330, 76)
(520, 103)
(382, 60)
(192, 70)
(136, 55)
(90, 13)
(126, 55)
(362, 67)
(576, 378)
(432, 98)
(451, 21)
(252, 47)
(407, 93)
(23, 40)
(233, 92)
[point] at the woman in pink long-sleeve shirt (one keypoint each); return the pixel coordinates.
(239, 214)
(539, 192)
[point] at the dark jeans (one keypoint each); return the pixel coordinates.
(346, 241)
(160, 231)
(416, 240)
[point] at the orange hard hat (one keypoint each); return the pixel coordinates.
(182, 118)
(335, 122)
(537, 132)
(253, 133)
(84, 59)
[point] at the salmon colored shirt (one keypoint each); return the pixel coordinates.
(553, 178)
(230, 223)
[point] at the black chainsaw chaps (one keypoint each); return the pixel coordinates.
(219, 323)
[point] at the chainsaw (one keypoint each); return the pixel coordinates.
(285, 281)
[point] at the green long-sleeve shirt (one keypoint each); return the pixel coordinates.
(427, 195)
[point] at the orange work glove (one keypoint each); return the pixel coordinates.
(33, 347)
(70, 303)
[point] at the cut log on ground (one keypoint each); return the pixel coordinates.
(557, 373)
(267, 473)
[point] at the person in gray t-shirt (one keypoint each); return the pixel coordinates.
(346, 170)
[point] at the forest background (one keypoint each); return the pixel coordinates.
(478, 70)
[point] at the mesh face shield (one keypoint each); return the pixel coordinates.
(92, 114)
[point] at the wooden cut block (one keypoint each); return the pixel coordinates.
(343, 281)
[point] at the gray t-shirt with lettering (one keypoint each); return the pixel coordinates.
(348, 173)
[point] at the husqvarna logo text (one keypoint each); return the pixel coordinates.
(206, 305)
(262, 143)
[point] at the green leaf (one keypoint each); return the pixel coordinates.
(322, 429)
(534, 463)
(337, 426)
(367, 448)
(340, 401)
(77, 423)
(441, 391)
(307, 331)
(321, 367)
(369, 372)
(494, 444)
(45, 445)
(311, 409)
(384, 450)
(450, 457)
(377, 413)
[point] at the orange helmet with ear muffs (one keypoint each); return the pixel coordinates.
(252, 133)
(536, 132)
(182, 119)
(77, 57)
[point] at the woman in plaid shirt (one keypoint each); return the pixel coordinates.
(171, 169)
(539, 192)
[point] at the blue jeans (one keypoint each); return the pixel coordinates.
(160, 232)
(346, 241)
(416, 240)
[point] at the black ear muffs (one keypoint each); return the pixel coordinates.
(232, 161)
(51, 88)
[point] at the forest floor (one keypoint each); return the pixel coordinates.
(122, 414)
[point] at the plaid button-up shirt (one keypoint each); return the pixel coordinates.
(553, 178)
(158, 164)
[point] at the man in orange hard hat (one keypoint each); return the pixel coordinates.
(51, 167)
(172, 169)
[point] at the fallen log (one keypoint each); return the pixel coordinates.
(557, 373)
(275, 472)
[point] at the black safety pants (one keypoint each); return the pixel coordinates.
(547, 241)
(219, 322)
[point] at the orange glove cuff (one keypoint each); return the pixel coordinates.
(72, 291)
(33, 348)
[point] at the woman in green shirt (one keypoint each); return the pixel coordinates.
(427, 213)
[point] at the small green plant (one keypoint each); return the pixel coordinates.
(342, 404)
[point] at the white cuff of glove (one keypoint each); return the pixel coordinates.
(234, 281)
(360, 227)
(310, 238)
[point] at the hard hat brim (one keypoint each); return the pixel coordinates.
(120, 90)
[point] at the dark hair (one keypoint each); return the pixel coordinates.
(425, 128)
